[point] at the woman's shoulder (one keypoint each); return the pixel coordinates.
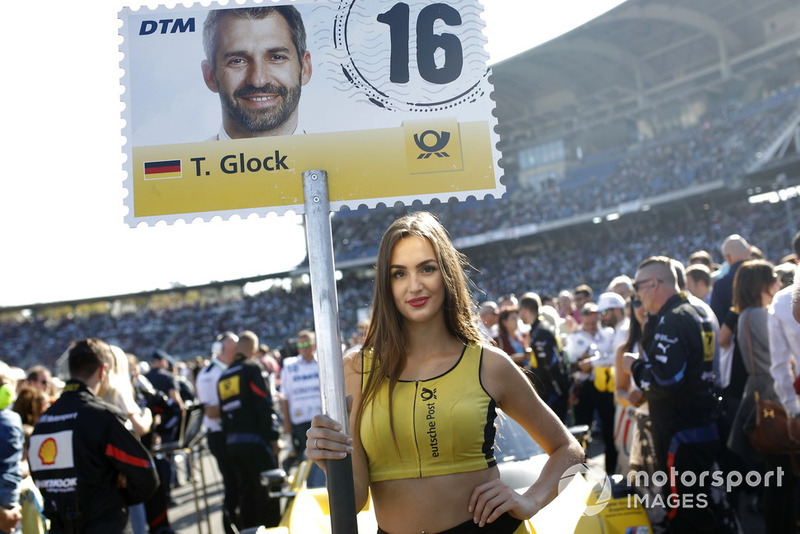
(753, 314)
(494, 357)
(354, 361)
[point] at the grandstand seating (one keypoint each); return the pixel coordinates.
(676, 189)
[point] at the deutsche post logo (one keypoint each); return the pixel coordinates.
(428, 394)
(48, 451)
(439, 140)
(433, 146)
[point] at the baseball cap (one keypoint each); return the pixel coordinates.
(610, 300)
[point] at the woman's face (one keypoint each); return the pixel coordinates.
(768, 293)
(416, 280)
(510, 322)
(641, 314)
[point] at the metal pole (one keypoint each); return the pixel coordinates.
(319, 240)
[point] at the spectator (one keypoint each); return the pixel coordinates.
(489, 315)
(223, 353)
(701, 257)
(167, 431)
(300, 392)
(40, 377)
(754, 287)
(30, 404)
(508, 339)
(582, 295)
(698, 281)
(83, 441)
(676, 375)
(611, 308)
(550, 376)
(10, 458)
(621, 285)
(120, 393)
(591, 354)
(250, 438)
(636, 440)
(735, 250)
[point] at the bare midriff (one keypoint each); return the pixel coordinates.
(430, 504)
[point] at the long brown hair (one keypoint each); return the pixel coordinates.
(31, 402)
(386, 337)
(504, 337)
(750, 280)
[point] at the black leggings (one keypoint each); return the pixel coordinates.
(505, 524)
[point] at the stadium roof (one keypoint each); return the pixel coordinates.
(642, 52)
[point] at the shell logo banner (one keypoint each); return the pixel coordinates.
(227, 105)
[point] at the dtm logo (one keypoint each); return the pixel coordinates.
(149, 27)
(440, 140)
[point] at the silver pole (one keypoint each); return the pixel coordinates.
(319, 239)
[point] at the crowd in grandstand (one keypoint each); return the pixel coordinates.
(719, 148)
(591, 256)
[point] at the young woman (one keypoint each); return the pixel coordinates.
(423, 369)
(508, 337)
(754, 286)
(641, 455)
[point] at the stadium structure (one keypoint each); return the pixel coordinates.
(659, 127)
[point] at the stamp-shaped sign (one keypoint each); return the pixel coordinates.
(227, 106)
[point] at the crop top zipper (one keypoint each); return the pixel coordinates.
(414, 421)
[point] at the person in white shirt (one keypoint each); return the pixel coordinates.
(590, 351)
(222, 353)
(489, 315)
(301, 398)
(611, 307)
(784, 349)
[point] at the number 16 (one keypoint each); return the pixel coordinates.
(428, 42)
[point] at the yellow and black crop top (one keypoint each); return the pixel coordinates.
(443, 425)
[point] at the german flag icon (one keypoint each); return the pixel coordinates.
(158, 170)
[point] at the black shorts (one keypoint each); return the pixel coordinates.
(505, 524)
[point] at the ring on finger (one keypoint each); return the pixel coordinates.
(316, 443)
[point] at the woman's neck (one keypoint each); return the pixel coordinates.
(430, 338)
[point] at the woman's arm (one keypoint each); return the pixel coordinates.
(326, 439)
(141, 421)
(625, 391)
(622, 378)
(514, 394)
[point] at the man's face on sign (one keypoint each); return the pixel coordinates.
(258, 76)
